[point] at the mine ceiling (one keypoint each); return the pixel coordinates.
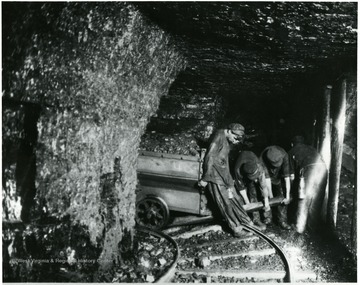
(257, 48)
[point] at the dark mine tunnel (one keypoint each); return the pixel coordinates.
(179, 142)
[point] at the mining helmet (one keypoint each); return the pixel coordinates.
(274, 156)
(251, 170)
(237, 129)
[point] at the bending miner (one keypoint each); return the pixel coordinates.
(250, 181)
(278, 173)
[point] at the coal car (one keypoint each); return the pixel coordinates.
(169, 182)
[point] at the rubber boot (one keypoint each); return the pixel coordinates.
(240, 232)
(257, 222)
(282, 212)
(285, 225)
(267, 217)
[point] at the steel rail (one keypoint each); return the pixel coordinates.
(166, 277)
(289, 277)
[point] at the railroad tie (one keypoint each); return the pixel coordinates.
(189, 234)
(236, 273)
(263, 252)
(301, 275)
(229, 240)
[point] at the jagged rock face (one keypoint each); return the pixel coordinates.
(251, 50)
(12, 135)
(244, 37)
(268, 61)
(183, 126)
(98, 70)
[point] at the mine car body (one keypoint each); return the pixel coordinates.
(169, 182)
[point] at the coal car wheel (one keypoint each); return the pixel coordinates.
(152, 212)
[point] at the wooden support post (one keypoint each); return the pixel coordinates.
(325, 145)
(337, 139)
(326, 127)
(314, 136)
(353, 233)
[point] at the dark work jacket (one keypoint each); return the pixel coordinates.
(216, 161)
(241, 181)
(302, 155)
(277, 173)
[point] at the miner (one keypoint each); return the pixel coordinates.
(278, 173)
(250, 181)
(216, 176)
(309, 182)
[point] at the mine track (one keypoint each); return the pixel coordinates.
(289, 277)
(237, 271)
(170, 271)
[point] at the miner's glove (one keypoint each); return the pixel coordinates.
(286, 201)
(202, 183)
(230, 193)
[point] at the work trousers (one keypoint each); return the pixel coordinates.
(231, 209)
(255, 195)
(281, 210)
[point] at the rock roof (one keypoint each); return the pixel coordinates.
(257, 47)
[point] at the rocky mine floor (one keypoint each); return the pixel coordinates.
(330, 257)
(315, 257)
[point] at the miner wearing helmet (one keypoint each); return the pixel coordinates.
(309, 184)
(250, 181)
(216, 176)
(278, 175)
